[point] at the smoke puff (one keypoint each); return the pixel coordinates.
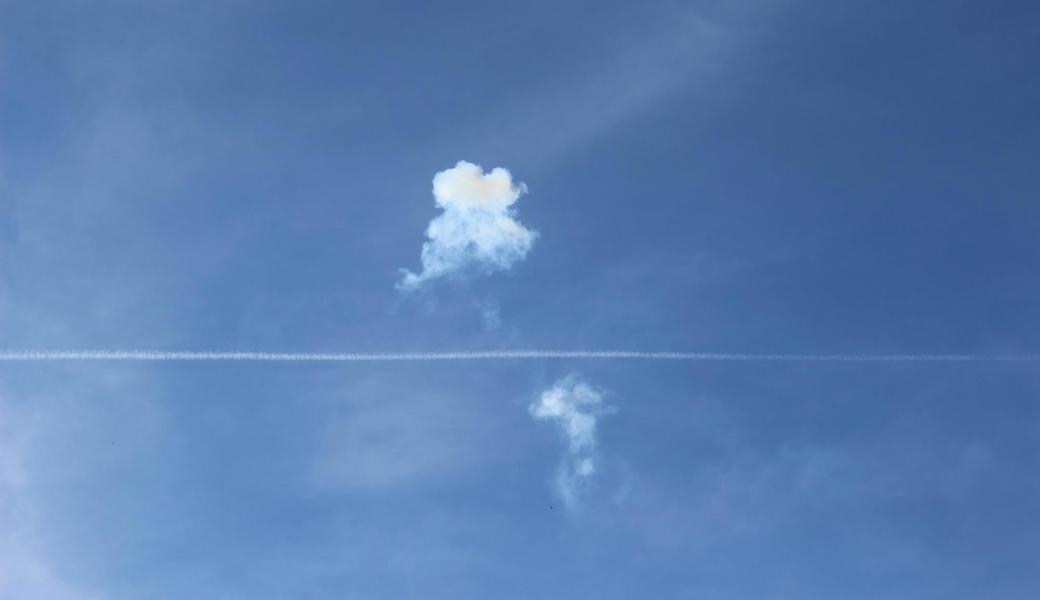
(575, 407)
(477, 231)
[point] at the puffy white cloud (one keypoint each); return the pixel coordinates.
(575, 407)
(478, 229)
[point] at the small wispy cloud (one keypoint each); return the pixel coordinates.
(490, 314)
(575, 407)
(477, 231)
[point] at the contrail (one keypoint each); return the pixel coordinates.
(159, 356)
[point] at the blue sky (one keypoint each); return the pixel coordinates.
(763, 176)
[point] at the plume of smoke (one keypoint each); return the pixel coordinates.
(575, 407)
(478, 229)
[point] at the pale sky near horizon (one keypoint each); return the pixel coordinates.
(770, 176)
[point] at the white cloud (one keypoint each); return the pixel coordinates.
(477, 230)
(575, 407)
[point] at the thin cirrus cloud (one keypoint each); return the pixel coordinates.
(575, 407)
(478, 230)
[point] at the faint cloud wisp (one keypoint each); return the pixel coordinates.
(575, 407)
(478, 229)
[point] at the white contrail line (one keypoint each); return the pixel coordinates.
(158, 355)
